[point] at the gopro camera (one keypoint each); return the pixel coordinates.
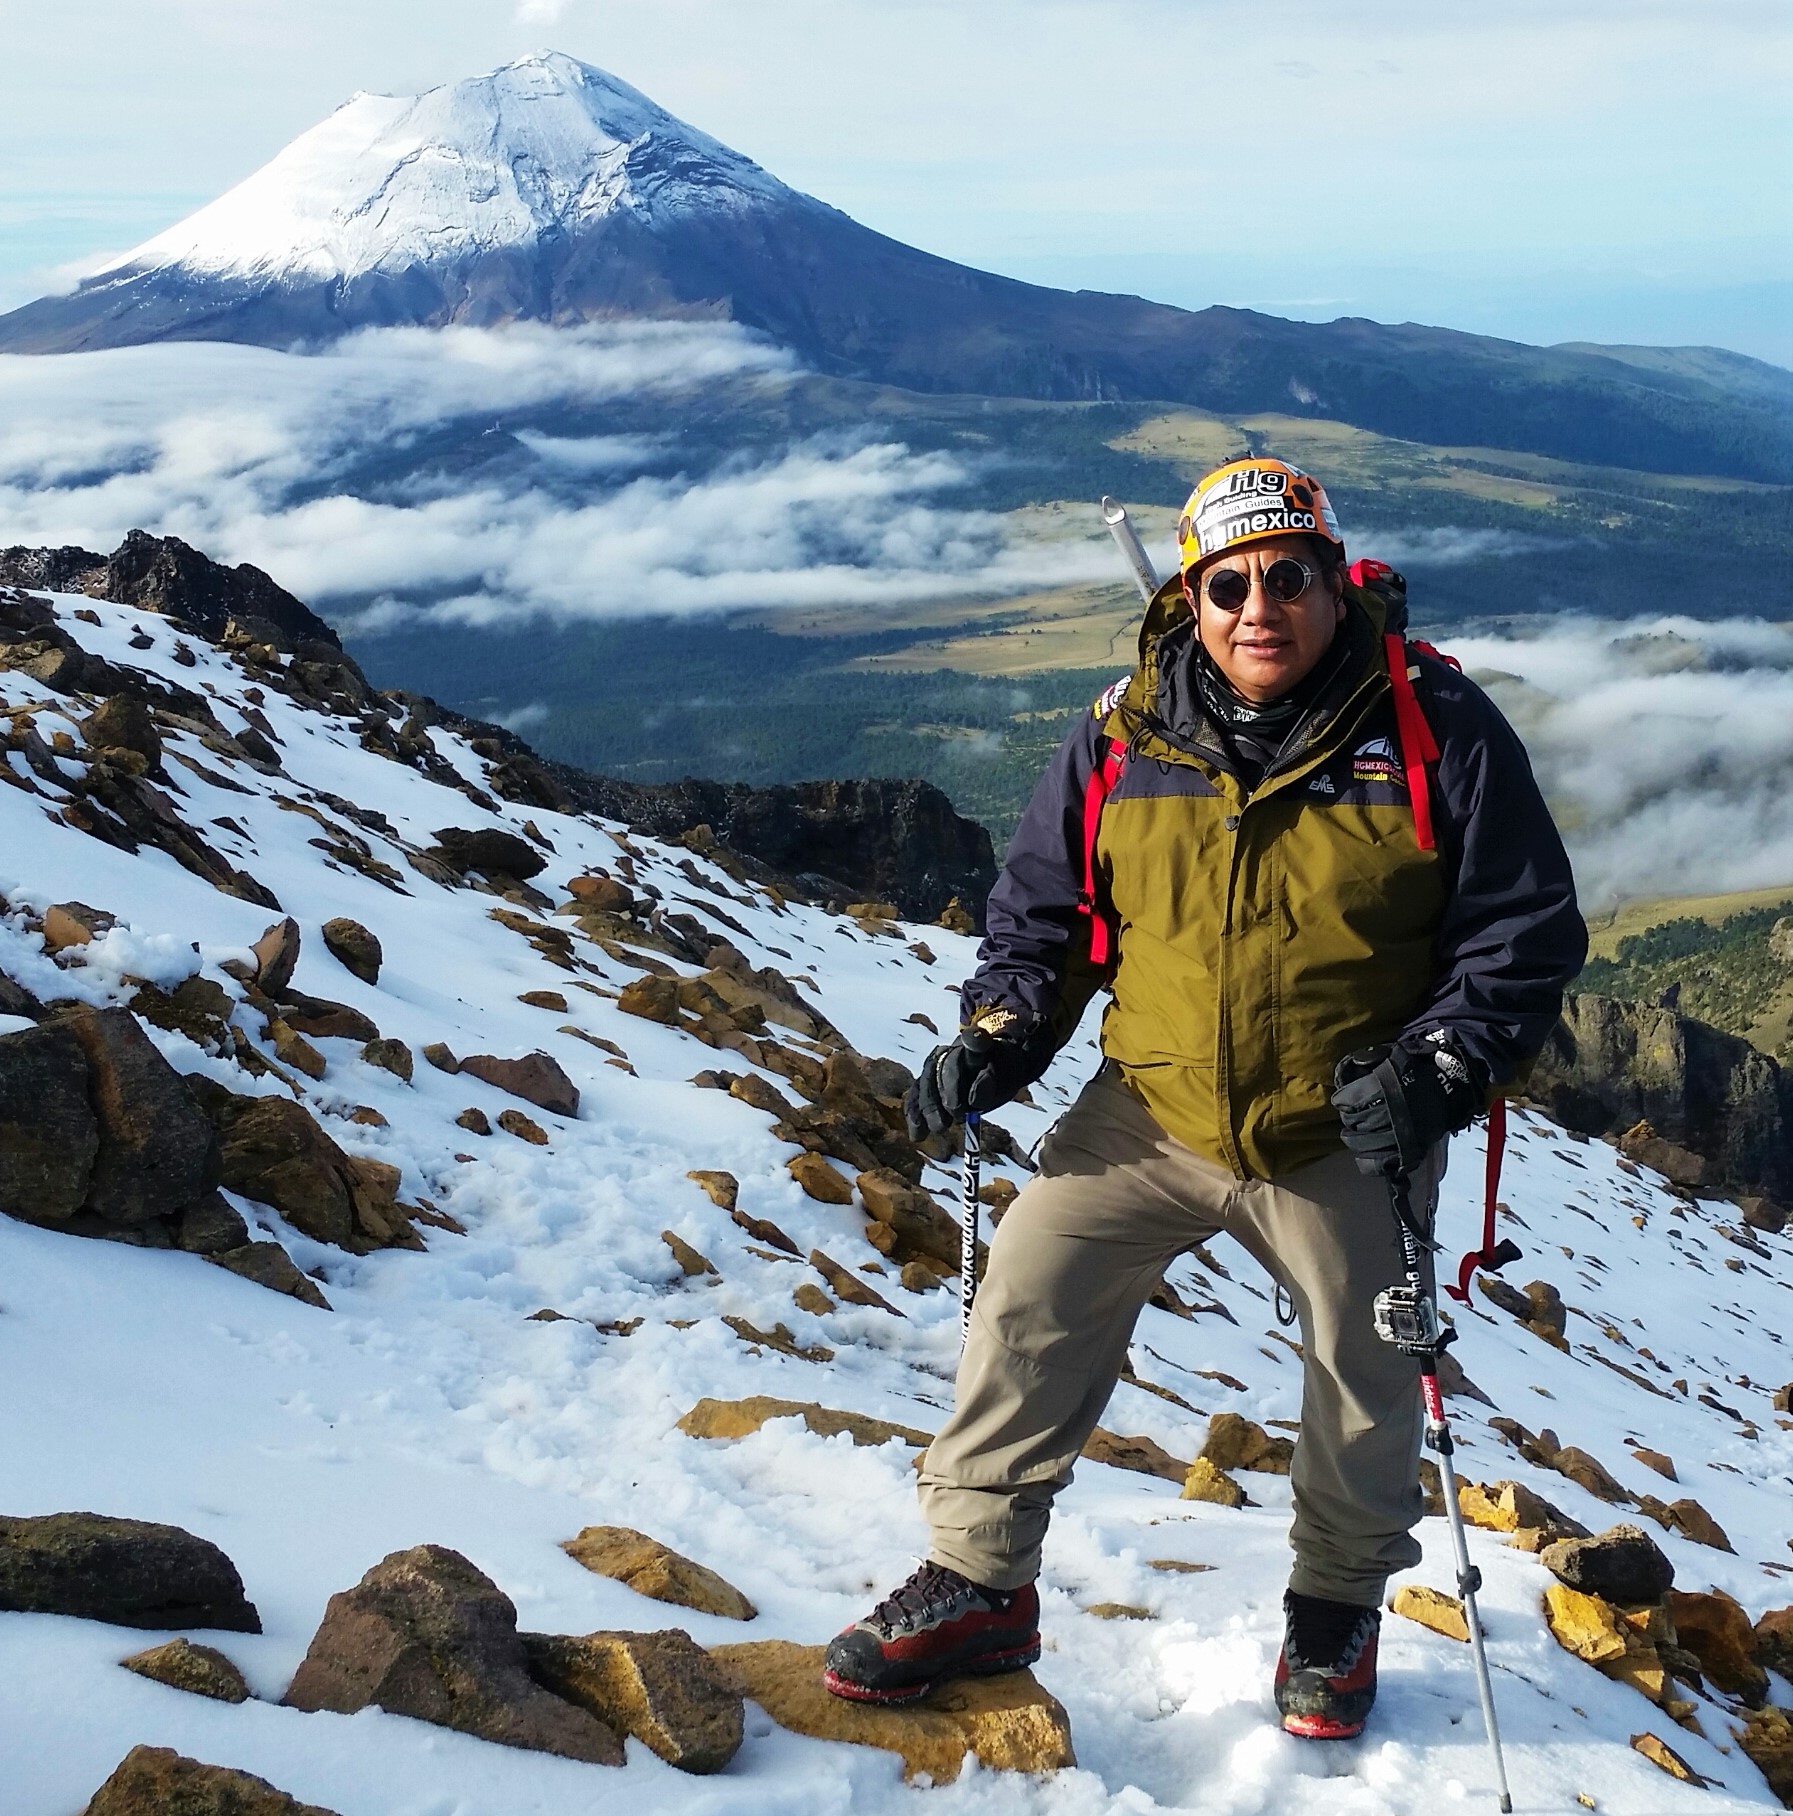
(1405, 1318)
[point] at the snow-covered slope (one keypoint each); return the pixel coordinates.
(545, 146)
(430, 1406)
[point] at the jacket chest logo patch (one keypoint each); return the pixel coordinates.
(1321, 785)
(1376, 762)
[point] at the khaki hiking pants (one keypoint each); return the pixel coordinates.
(1078, 1253)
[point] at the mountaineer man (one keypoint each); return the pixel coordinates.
(1245, 841)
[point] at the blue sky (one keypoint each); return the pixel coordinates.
(1582, 169)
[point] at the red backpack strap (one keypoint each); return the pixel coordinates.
(1418, 746)
(1491, 1255)
(1096, 791)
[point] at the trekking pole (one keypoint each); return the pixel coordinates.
(968, 1225)
(1406, 1317)
(1120, 527)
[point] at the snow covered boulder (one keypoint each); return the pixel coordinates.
(663, 1688)
(129, 1573)
(426, 1634)
(155, 1781)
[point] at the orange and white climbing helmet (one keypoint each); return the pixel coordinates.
(1252, 500)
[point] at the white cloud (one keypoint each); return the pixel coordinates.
(1665, 746)
(261, 456)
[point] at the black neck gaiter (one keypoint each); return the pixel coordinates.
(1255, 732)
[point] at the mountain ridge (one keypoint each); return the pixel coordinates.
(606, 206)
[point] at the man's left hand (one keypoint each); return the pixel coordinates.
(1398, 1102)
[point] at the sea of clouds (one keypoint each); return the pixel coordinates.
(1665, 745)
(263, 456)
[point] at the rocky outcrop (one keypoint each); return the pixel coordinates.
(163, 574)
(1008, 1723)
(1611, 1065)
(157, 1781)
(130, 1573)
(653, 1569)
(426, 1634)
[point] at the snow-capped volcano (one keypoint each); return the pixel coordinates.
(550, 191)
(545, 147)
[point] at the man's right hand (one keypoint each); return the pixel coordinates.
(998, 1053)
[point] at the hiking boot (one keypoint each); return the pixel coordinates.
(1326, 1677)
(937, 1625)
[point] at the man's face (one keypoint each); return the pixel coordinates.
(1265, 648)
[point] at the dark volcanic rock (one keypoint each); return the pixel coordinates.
(490, 851)
(1622, 1564)
(163, 574)
(157, 1153)
(157, 1781)
(1611, 1065)
(425, 1634)
(49, 1135)
(126, 1572)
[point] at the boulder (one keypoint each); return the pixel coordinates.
(920, 1226)
(1692, 1521)
(1767, 1741)
(425, 1634)
(209, 1226)
(544, 999)
(201, 1670)
(722, 1189)
(294, 1051)
(196, 1007)
(537, 1078)
(525, 1128)
(474, 1120)
(762, 1229)
(1512, 1507)
(849, 1286)
(390, 1056)
(1140, 1455)
(49, 1135)
(356, 949)
(663, 1688)
(1206, 1481)
(1774, 1641)
(1237, 1443)
(1716, 1630)
(438, 1054)
(490, 852)
(15, 999)
(1587, 1471)
(1623, 1564)
(1444, 1614)
(273, 1150)
(652, 998)
(129, 1573)
(269, 1265)
(122, 723)
(276, 957)
(603, 893)
(819, 1180)
(692, 1262)
(1008, 1723)
(1665, 1759)
(321, 1019)
(157, 1781)
(740, 1418)
(69, 924)
(657, 1571)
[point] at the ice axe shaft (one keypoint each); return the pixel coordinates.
(968, 1224)
(1438, 1441)
(1120, 527)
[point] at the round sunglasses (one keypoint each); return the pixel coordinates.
(1285, 580)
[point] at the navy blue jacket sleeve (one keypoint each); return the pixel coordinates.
(1512, 937)
(1035, 954)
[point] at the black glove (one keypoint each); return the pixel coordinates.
(999, 1052)
(1398, 1102)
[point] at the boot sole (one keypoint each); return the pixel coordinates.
(1321, 1727)
(997, 1664)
